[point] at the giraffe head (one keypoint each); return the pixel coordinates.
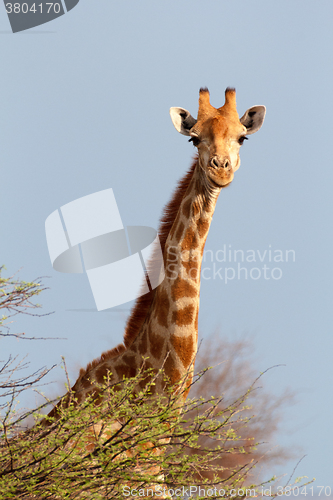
(218, 133)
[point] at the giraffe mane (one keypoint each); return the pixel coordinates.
(143, 303)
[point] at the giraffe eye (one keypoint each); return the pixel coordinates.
(195, 140)
(242, 139)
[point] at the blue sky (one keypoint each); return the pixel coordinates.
(85, 106)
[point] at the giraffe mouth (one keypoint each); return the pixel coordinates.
(220, 177)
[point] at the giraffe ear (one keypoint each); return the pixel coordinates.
(182, 120)
(253, 118)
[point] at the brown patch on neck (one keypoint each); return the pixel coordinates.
(190, 241)
(184, 316)
(125, 371)
(184, 347)
(163, 309)
(171, 371)
(182, 288)
(156, 343)
(179, 231)
(192, 268)
(203, 227)
(143, 343)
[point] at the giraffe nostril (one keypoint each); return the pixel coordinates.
(226, 164)
(215, 162)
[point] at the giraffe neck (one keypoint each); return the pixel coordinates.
(170, 331)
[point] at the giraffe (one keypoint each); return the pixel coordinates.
(162, 329)
(163, 324)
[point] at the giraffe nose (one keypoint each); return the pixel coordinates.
(217, 162)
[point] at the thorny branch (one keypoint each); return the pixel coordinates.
(16, 298)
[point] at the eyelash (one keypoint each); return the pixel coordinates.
(194, 140)
(242, 139)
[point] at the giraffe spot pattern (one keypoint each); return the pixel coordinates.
(171, 370)
(191, 268)
(134, 347)
(179, 231)
(202, 227)
(190, 240)
(79, 397)
(182, 288)
(101, 373)
(125, 371)
(184, 347)
(156, 343)
(187, 208)
(129, 359)
(85, 382)
(162, 307)
(184, 316)
(143, 343)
